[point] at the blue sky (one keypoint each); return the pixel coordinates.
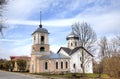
(22, 19)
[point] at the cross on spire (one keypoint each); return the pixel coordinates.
(40, 20)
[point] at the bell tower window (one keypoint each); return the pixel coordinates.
(34, 38)
(42, 39)
(42, 49)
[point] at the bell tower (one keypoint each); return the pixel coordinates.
(40, 46)
(40, 40)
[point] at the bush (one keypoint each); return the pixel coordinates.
(21, 63)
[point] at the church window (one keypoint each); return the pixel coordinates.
(71, 44)
(42, 49)
(46, 65)
(66, 64)
(34, 37)
(75, 43)
(56, 65)
(61, 65)
(81, 65)
(42, 39)
(74, 66)
(80, 58)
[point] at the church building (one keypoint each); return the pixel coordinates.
(42, 59)
(67, 59)
(74, 51)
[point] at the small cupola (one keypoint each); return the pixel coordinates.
(72, 40)
(72, 35)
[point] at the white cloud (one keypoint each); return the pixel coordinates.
(55, 47)
(98, 16)
(24, 50)
(22, 9)
(12, 47)
(4, 53)
(16, 42)
(54, 23)
(104, 23)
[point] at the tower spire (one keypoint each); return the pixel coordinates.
(40, 20)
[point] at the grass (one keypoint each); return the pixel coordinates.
(105, 76)
(76, 75)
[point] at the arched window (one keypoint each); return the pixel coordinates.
(56, 65)
(42, 39)
(81, 65)
(46, 65)
(71, 44)
(66, 63)
(34, 37)
(61, 65)
(75, 43)
(42, 49)
(74, 66)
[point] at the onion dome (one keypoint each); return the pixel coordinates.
(72, 35)
(41, 30)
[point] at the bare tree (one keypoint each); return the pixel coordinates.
(103, 44)
(2, 5)
(116, 44)
(87, 38)
(110, 56)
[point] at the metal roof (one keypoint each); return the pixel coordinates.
(41, 30)
(70, 52)
(72, 35)
(54, 56)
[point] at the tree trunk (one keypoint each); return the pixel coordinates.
(83, 68)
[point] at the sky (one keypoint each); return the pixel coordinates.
(22, 17)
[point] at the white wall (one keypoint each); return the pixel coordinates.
(73, 43)
(38, 38)
(75, 59)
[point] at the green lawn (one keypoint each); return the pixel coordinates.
(76, 75)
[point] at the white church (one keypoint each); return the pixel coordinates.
(67, 59)
(74, 51)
